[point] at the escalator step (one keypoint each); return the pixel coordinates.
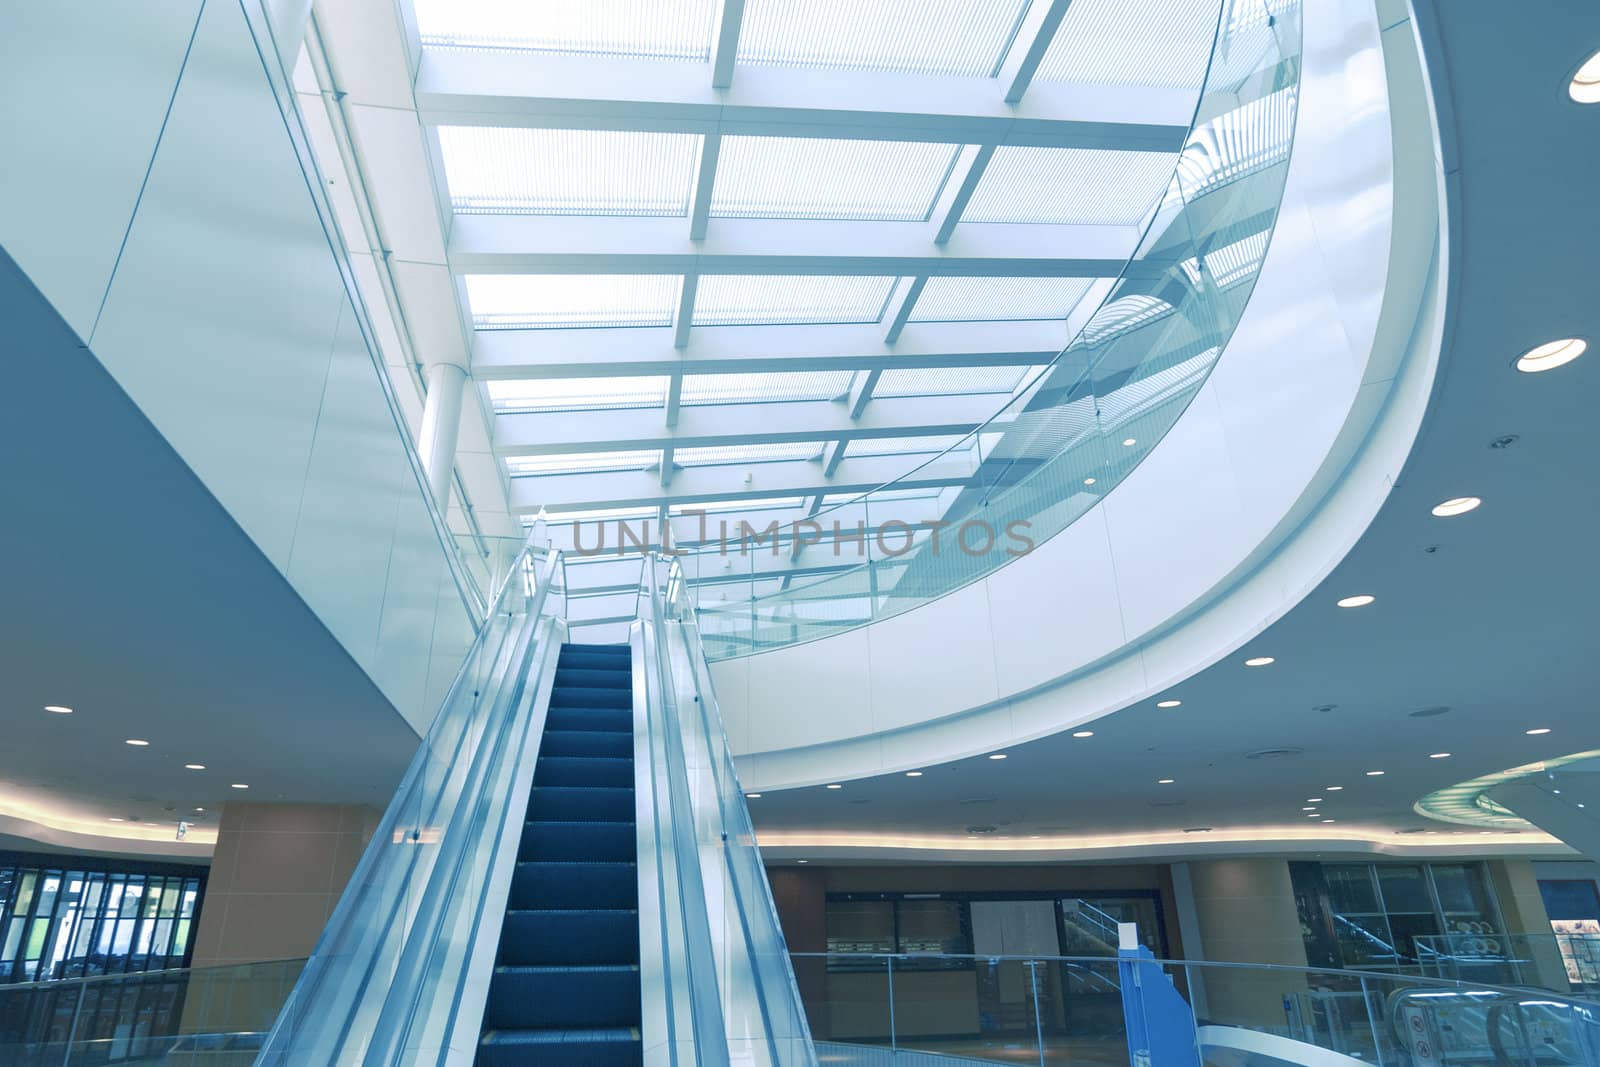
(570, 935)
(561, 1048)
(559, 998)
(613, 744)
(609, 720)
(577, 842)
(572, 803)
(542, 884)
(584, 771)
(590, 678)
(588, 696)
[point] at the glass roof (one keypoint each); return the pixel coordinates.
(577, 394)
(957, 37)
(659, 29)
(1069, 185)
(1156, 43)
(498, 170)
(764, 388)
(760, 453)
(574, 462)
(949, 381)
(817, 178)
(998, 299)
(543, 301)
(761, 300)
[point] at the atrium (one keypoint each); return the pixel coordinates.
(890, 533)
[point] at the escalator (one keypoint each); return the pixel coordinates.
(566, 982)
(568, 873)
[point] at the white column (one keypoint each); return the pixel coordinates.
(441, 422)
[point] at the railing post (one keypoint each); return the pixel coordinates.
(72, 1032)
(1372, 1022)
(894, 1044)
(1038, 1018)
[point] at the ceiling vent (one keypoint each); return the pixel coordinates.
(1281, 752)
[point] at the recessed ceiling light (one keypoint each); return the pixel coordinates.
(1308, 809)
(997, 755)
(1551, 355)
(1327, 820)
(194, 766)
(1083, 733)
(1165, 781)
(1259, 661)
(240, 785)
(1373, 774)
(1088, 481)
(1359, 601)
(199, 809)
(1334, 788)
(1129, 442)
(116, 818)
(137, 742)
(836, 785)
(1439, 755)
(913, 774)
(1313, 800)
(752, 796)
(1315, 815)
(1169, 703)
(1456, 505)
(1537, 731)
(1585, 85)
(58, 709)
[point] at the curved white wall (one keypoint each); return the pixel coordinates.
(1259, 489)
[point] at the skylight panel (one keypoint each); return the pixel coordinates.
(1231, 263)
(768, 503)
(902, 446)
(824, 178)
(594, 515)
(773, 300)
(546, 301)
(948, 381)
(1079, 186)
(765, 453)
(1248, 138)
(764, 388)
(1121, 315)
(577, 394)
(1158, 43)
(582, 462)
(998, 299)
(657, 29)
(959, 37)
(502, 170)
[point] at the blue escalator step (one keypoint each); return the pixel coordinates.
(576, 803)
(561, 1048)
(578, 842)
(570, 935)
(608, 720)
(561, 998)
(584, 771)
(607, 743)
(589, 678)
(590, 696)
(542, 884)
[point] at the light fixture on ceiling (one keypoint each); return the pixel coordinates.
(1374, 774)
(199, 809)
(58, 709)
(137, 742)
(1439, 755)
(1360, 600)
(752, 796)
(997, 755)
(835, 785)
(1585, 85)
(1551, 354)
(1535, 732)
(1088, 481)
(1327, 820)
(1313, 800)
(194, 766)
(1456, 505)
(913, 774)
(1129, 442)
(1334, 788)
(1165, 781)
(239, 785)
(116, 818)
(1169, 703)
(1308, 809)
(1315, 815)
(1083, 733)
(1259, 661)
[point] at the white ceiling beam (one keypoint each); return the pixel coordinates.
(958, 190)
(692, 485)
(705, 180)
(683, 318)
(833, 455)
(566, 432)
(1028, 50)
(484, 244)
(725, 49)
(666, 466)
(485, 88)
(861, 392)
(900, 307)
(586, 353)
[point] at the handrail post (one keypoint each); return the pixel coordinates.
(1372, 1021)
(894, 1044)
(72, 1032)
(1038, 1018)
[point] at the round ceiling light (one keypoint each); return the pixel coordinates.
(137, 742)
(58, 709)
(1359, 601)
(1165, 781)
(1088, 481)
(1440, 755)
(1083, 733)
(997, 755)
(1373, 774)
(836, 785)
(1169, 703)
(747, 796)
(1456, 505)
(1334, 788)
(1537, 731)
(1551, 355)
(1259, 661)
(913, 774)
(240, 785)
(1585, 85)
(194, 766)
(1129, 442)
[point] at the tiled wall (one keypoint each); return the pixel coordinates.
(276, 875)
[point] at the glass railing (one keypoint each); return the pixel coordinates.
(928, 1010)
(215, 1015)
(1083, 422)
(387, 978)
(1560, 962)
(749, 1005)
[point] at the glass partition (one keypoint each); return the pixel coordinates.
(1083, 421)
